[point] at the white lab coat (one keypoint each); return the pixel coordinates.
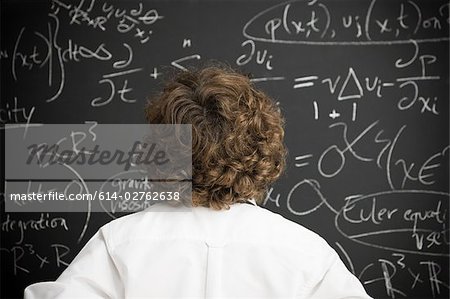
(246, 251)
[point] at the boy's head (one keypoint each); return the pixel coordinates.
(237, 133)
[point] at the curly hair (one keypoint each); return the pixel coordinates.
(237, 133)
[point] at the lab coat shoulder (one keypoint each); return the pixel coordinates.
(92, 274)
(325, 276)
(290, 234)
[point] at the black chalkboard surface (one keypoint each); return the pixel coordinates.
(364, 87)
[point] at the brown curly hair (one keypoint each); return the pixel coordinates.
(237, 133)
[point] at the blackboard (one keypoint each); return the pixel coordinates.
(364, 87)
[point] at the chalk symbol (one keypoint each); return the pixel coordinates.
(316, 110)
(176, 63)
(263, 79)
(155, 74)
(187, 43)
(304, 81)
(334, 114)
(301, 159)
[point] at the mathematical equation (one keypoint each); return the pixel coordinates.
(322, 23)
